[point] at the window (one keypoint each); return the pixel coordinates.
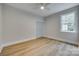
(68, 22)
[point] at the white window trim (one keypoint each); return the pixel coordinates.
(61, 23)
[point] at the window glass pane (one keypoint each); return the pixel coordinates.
(68, 22)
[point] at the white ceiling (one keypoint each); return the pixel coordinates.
(35, 8)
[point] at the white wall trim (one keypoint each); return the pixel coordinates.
(28, 39)
(23, 40)
(64, 40)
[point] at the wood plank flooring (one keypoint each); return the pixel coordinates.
(37, 47)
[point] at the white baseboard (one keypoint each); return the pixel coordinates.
(12, 43)
(64, 40)
(28, 39)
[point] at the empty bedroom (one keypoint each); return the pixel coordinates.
(39, 29)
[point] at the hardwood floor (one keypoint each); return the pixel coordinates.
(37, 47)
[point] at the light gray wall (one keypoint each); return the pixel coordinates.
(18, 25)
(0, 24)
(40, 27)
(52, 27)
